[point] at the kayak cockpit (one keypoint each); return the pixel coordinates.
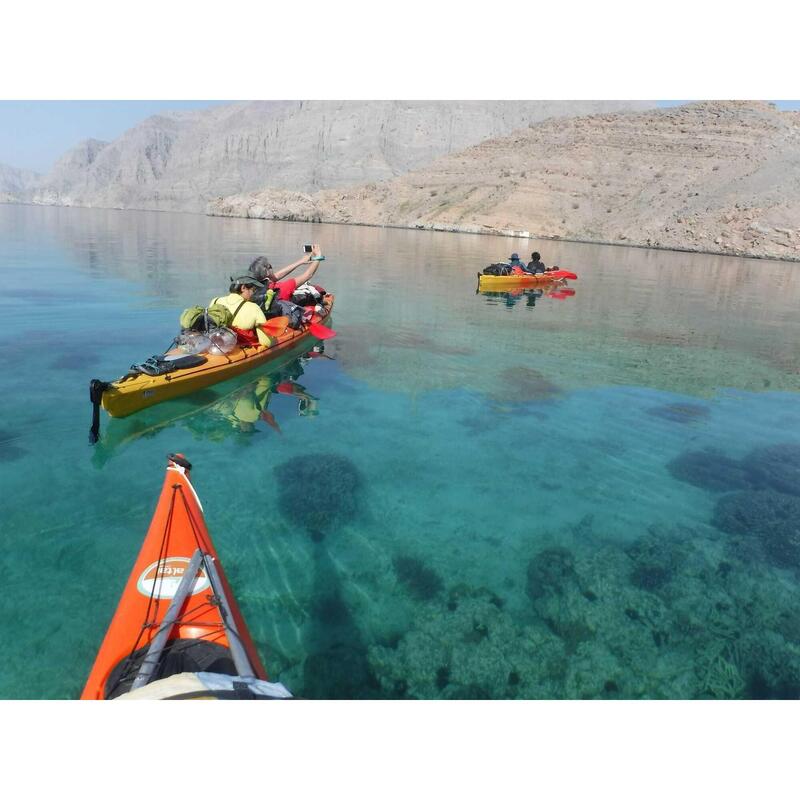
(208, 686)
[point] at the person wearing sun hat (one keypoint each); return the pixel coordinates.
(247, 316)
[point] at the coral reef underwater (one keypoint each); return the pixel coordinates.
(769, 517)
(675, 613)
(710, 469)
(775, 467)
(708, 610)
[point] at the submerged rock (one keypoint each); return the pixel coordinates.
(709, 469)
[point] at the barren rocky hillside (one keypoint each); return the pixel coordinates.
(179, 161)
(716, 176)
(14, 182)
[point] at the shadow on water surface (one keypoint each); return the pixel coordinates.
(337, 667)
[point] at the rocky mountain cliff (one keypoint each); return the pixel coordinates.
(180, 161)
(15, 182)
(716, 176)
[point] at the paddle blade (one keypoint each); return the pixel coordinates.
(275, 326)
(320, 331)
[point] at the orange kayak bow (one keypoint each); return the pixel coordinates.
(177, 631)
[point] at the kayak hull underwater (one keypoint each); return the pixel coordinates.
(131, 394)
(208, 618)
(500, 282)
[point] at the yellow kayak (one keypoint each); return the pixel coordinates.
(497, 283)
(136, 391)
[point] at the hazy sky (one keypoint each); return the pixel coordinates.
(33, 134)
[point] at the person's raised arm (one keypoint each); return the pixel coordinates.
(306, 259)
(284, 271)
(316, 257)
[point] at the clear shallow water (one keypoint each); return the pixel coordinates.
(479, 496)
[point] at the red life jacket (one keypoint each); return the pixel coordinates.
(246, 337)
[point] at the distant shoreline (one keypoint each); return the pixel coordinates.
(432, 228)
(509, 234)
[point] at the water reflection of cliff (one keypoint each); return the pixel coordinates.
(406, 307)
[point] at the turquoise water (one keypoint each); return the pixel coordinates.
(464, 496)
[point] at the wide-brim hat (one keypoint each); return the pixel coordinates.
(248, 280)
(515, 255)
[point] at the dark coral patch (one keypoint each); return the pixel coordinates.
(680, 412)
(656, 561)
(319, 492)
(420, 581)
(650, 577)
(768, 516)
(775, 467)
(442, 677)
(710, 470)
(550, 572)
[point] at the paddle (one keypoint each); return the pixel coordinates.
(275, 326)
(278, 325)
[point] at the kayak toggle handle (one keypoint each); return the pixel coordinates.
(180, 460)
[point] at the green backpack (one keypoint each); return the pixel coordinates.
(193, 319)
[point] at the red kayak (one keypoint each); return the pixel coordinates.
(177, 632)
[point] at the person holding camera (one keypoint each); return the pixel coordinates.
(273, 279)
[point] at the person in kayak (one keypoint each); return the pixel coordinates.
(514, 261)
(273, 279)
(535, 265)
(247, 316)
